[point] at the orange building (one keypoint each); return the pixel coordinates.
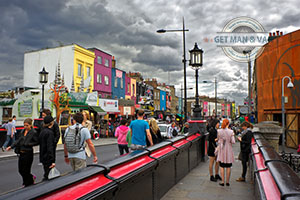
(280, 58)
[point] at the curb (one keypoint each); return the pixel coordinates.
(5, 157)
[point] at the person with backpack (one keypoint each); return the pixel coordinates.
(172, 131)
(75, 136)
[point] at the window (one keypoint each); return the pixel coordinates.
(106, 63)
(79, 69)
(99, 78)
(99, 59)
(133, 91)
(106, 80)
(88, 71)
(121, 79)
(128, 88)
(116, 81)
(163, 97)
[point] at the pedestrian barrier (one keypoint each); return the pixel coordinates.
(273, 177)
(143, 174)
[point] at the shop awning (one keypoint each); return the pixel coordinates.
(7, 102)
(97, 109)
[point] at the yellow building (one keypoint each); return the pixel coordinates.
(83, 67)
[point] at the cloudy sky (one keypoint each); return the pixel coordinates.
(127, 30)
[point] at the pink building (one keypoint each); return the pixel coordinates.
(102, 73)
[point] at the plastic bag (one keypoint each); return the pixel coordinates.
(53, 173)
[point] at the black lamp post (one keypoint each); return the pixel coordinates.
(196, 61)
(43, 80)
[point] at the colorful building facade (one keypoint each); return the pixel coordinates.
(102, 73)
(72, 62)
(163, 100)
(118, 83)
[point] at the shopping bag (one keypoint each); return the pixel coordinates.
(53, 173)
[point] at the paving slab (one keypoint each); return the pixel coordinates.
(196, 185)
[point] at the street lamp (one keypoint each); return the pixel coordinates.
(43, 80)
(196, 61)
(289, 85)
(249, 81)
(183, 30)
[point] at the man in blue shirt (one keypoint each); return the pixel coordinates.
(139, 129)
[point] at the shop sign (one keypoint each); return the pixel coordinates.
(25, 108)
(92, 99)
(127, 110)
(205, 108)
(109, 105)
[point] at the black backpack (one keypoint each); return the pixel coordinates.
(174, 133)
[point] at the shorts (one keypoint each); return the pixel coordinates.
(225, 165)
(77, 163)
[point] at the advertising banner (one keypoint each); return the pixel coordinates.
(109, 105)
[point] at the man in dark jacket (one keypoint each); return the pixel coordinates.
(47, 146)
(55, 127)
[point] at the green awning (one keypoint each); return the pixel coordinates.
(97, 109)
(7, 102)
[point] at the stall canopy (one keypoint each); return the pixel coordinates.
(97, 109)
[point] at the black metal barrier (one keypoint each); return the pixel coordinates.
(273, 177)
(143, 174)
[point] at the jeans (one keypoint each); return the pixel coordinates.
(9, 141)
(123, 147)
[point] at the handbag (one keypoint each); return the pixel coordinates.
(17, 150)
(240, 157)
(217, 149)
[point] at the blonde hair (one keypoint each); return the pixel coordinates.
(153, 125)
(87, 114)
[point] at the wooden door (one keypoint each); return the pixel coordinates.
(292, 128)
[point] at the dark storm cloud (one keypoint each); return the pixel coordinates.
(127, 30)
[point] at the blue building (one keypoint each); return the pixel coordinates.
(162, 99)
(117, 83)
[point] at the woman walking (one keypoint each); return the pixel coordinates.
(155, 132)
(245, 142)
(212, 144)
(23, 146)
(121, 134)
(47, 144)
(225, 153)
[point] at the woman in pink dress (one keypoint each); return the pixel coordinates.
(225, 153)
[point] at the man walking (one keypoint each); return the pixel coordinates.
(10, 135)
(75, 136)
(139, 129)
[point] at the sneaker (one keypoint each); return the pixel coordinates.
(3, 149)
(241, 179)
(212, 178)
(218, 177)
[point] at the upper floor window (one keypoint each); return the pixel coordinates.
(116, 81)
(106, 80)
(88, 71)
(133, 91)
(99, 59)
(128, 88)
(106, 62)
(163, 97)
(121, 79)
(99, 78)
(79, 69)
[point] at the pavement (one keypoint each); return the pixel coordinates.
(60, 147)
(196, 185)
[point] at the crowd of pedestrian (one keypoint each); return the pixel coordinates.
(131, 135)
